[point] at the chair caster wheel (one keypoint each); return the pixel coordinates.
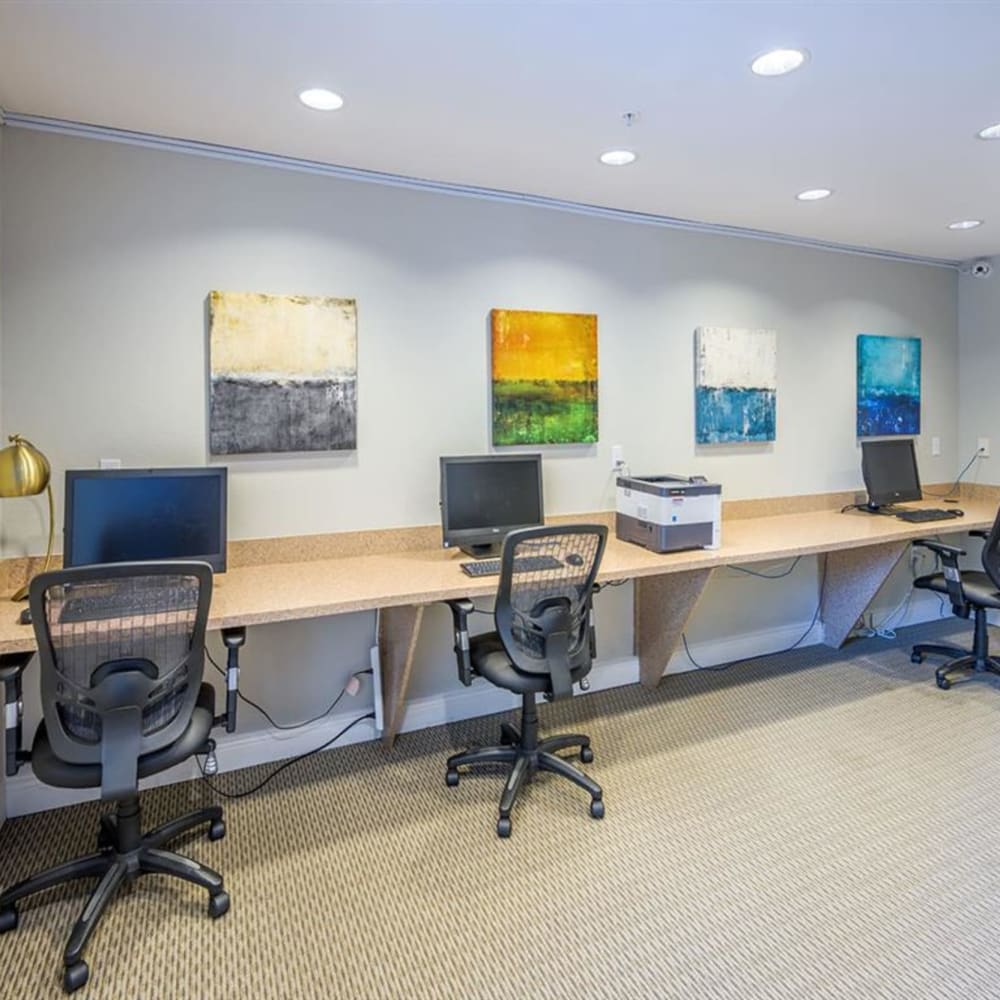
(75, 976)
(597, 808)
(503, 826)
(218, 904)
(586, 755)
(217, 830)
(451, 777)
(8, 919)
(943, 683)
(916, 657)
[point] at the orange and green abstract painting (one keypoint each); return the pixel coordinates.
(544, 377)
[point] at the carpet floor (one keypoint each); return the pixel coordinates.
(816, 825)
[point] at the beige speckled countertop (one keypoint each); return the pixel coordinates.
(313, 588)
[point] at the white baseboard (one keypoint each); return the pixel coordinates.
(25, 794)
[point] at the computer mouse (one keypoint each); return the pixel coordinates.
(24, 618)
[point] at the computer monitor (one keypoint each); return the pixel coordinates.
(890, 472)
(483, 497)
(126, 515)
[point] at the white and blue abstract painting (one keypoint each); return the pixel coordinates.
(736, 380)
(888, 385)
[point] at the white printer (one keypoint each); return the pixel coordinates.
(669, 513)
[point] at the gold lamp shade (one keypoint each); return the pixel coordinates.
(25, 472)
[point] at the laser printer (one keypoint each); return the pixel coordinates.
(669, 513)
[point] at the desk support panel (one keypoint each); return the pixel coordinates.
(397, 642)
(663, 605)
(851, 579)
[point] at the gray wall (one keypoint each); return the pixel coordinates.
(108, 253)
(979, 361)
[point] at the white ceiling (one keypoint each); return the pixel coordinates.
(524, 96)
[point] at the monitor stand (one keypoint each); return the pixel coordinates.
(487, 550)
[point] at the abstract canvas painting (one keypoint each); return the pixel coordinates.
(888, 385)
(283, 373)
(544, 377)
(736, 380)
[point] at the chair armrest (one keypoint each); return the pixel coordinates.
(952, 573)
(980, 533)
(946, 552)
(12, 665)
(461, 608)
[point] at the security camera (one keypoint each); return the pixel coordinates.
(981, 269)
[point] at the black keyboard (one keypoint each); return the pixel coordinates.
(123, 604)
(523, 564)
(928, 514)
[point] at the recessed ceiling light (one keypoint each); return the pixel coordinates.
(990, 132)
(814, 194)
(778, 62)
(965, 224)
(321, 100)
(618, 157)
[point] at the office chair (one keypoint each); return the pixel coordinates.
(121, 652)
(543, 644)
(968, 590)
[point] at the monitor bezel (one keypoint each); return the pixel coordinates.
(470, 538)
(217, 560)
(868, 449)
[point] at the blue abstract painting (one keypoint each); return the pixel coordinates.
(736, 378)
(888, 385)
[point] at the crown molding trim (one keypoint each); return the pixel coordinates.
(193, 147)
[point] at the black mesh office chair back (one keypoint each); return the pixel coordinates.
(121, 651)
(543, 644)
(991, 552)
(543, 600)
(122, 657)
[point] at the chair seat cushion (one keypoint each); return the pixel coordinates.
(53, 771)
(490, 660)
(978, 587)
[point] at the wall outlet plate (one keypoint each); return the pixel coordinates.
(983, 447)
(110, 463)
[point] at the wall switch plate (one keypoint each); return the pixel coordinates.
(110, 463)
(983, 447)
(617, 456)
(935, 446)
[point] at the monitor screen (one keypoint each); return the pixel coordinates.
(890, 471)
(483, 497)
(130, 515)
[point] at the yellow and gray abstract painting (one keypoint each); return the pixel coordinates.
(284, 372)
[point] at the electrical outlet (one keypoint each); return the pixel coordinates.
(617, 457)
(983, 447)
(935, 446)
(110, 463)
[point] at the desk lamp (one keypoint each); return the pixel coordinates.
(25, 472)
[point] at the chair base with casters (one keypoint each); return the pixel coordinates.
(123, 852)
(527, 755)
(961, 662)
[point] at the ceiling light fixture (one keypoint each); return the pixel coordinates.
(321, 100)
(965, 224)
(990, 132)
(618, 157)
(778, 62)
(814, 194)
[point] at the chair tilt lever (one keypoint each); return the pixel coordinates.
(11, 667)
(233, 638)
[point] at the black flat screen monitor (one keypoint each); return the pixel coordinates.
(890, 472)
(131, 515)
(483, 497)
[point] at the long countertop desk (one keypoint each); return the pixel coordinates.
(860, 549)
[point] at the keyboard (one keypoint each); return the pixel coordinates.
(124, 604)
(928, 514)
(523, 564)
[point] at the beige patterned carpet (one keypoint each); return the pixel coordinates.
(816, 826)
